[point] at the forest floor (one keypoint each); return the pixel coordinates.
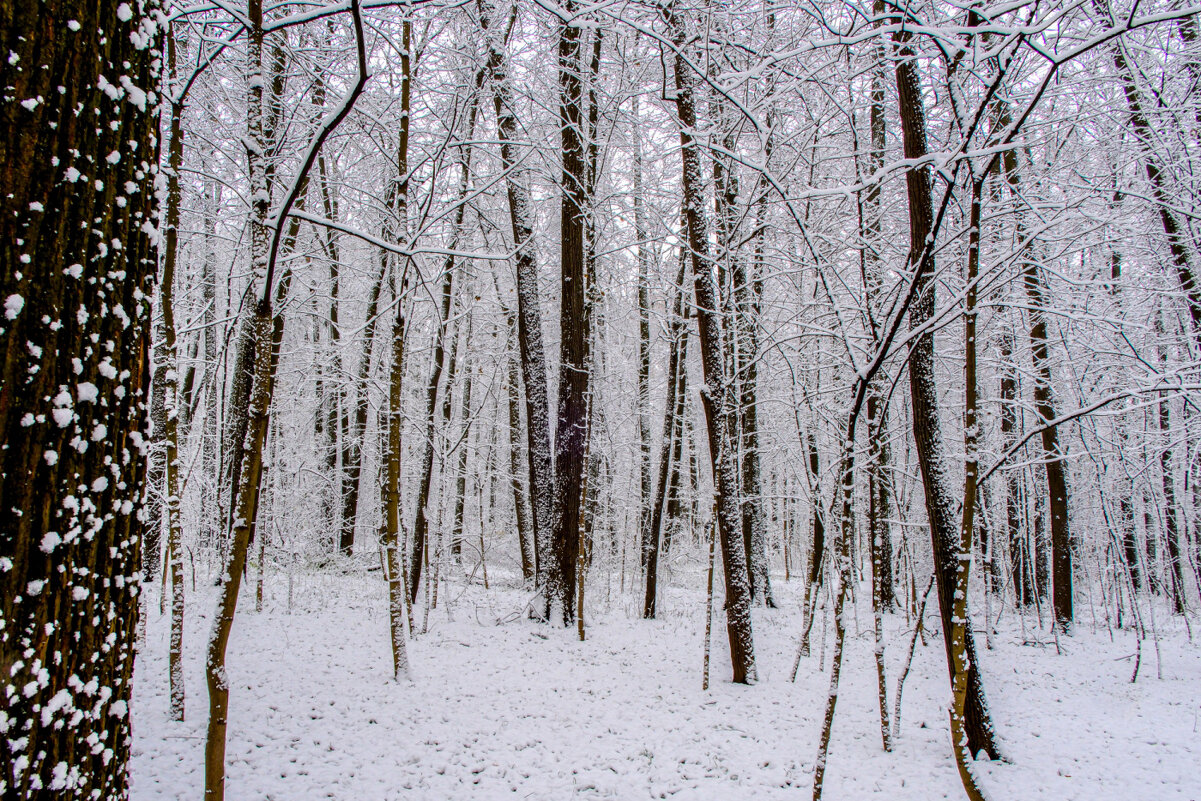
(503, 707)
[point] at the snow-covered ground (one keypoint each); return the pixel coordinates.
(519, 710)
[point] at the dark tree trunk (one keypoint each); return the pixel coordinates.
(1171, 527)
(352, 443)
(574, 325)
(923, 388)
(517, 465)
(644, 342)
(77, 628)
(874, 270)
(1019, 553)
(444, 361)
(456, 534)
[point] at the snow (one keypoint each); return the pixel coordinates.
(13, 305)
(520, 710)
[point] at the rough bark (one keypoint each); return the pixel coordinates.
(68, 596)
(927, 431)
(574, 325)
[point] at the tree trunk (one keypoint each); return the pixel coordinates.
(874, 273)
(441, 360)
(1044, 404)
(170, 399)
(574, 325)
(456, 535)
(517, 465)
(1019, 553)
(352, 442)
(1171, 527)
(268, 333)
(68, 598)
(391, 543)
(210, 468)
(817, 552)
(644, 341)
(927, 431)
(715, 394)
(529, 313)
(1161, 191)
(672, 433)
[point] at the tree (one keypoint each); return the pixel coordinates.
(574, 324)
(716, 393)
(73, 387)
(927, 430)
(529, 308)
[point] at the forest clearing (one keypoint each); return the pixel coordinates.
(500, 707)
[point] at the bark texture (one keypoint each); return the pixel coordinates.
(923, 390)
(71, 469)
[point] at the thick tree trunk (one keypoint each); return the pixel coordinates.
(927, 430)
(574, 325)
(69, 593)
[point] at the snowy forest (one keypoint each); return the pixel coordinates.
(623, 399)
